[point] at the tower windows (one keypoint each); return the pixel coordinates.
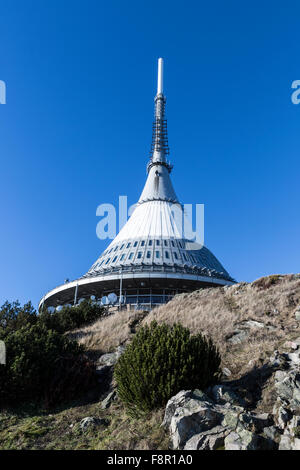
(184, 257)
(157, 255)
(114, 259)
(135, 244)
(107, 261)
(167, 255)
(139, 255)
(130, 256)
(157, 242)
(142, 243)
(165, 243)
(172, 243)
(150, 242)
(175, 255)
(128, 245)
(148, 254)
(122, 246)
(122, 257)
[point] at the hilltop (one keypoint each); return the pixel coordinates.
(247, 321)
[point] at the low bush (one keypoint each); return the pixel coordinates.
(42, 365)
(69, 318)
(162, 360)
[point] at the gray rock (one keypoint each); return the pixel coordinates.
(108, 400)
(231, 417)
(271, 432)
(252, 324)
(191, 420)
(110, 359)
(175, 402)
(294, 357)
(226, 372)
(208, 440)
(255, 422)
(242, 440)
(238, 336)
(283, 415)
(295, 402)
(293, 426)
(287, 386)
(285, 443)
(189, 413)
(90, 421)
(296, 444)
(223, 394)
(284, 388)
(280, 375)
(179, 400)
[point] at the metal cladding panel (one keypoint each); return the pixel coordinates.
(158, 186)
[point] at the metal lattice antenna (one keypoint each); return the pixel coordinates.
(159, 146)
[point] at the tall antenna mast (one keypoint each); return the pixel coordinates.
(160, 76)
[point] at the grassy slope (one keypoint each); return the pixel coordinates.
(216, 311)
(31, 428)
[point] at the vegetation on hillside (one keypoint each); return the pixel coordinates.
(273, 302)
(162, 360)
(42, 364)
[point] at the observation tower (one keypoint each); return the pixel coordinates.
(150, 260)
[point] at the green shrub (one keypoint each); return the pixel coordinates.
(69, 318)
(13, 316)
(42, 365)
(162, 360)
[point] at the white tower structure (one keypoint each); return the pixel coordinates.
(150, 260)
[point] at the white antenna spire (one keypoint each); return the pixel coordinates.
(160, 76)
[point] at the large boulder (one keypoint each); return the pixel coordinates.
(197, 422)
(287, 442)
(287, 386)
(189, 413)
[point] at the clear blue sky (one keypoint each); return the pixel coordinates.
(76, 129)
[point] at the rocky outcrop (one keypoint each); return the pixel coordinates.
(287, 385)
(198, 421)
(243, 330)
(104, 370)
(219, 419)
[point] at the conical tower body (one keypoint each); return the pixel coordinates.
(151, 259)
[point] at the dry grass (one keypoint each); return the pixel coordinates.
(106, 334)
(216, 312)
